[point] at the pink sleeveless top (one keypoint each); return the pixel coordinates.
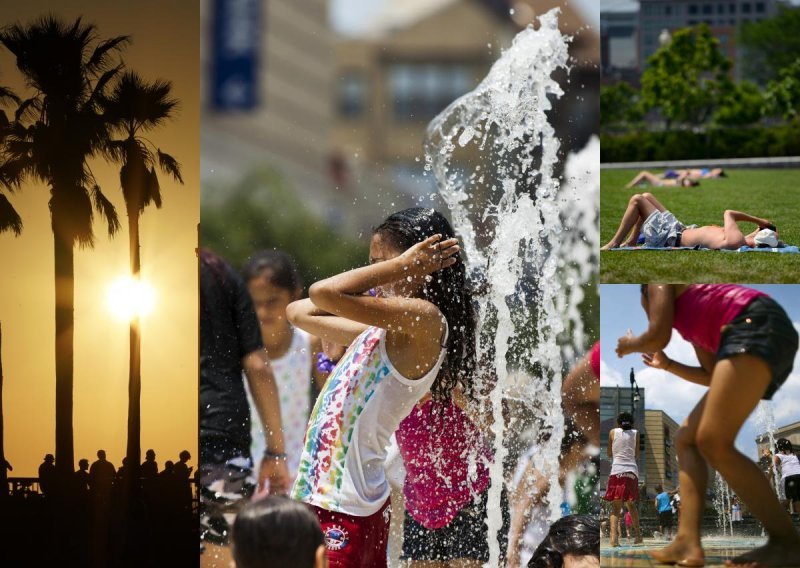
(594, 359)
(704, 309)
(446, 460)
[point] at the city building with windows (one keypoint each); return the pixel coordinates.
(619, 44)
(662, 458)
(791, 432)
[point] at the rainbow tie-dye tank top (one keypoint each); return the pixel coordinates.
(360, 407)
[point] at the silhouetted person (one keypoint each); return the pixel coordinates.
(123, 469)
(47, 472)
(149, 467)
(182, 485)
(81, 477)
(101, 475)
(169, 469)
(181, 470)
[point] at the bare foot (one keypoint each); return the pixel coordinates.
(690, 553)
(610, 245)
(775, 553)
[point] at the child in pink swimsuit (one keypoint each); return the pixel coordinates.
(746, 345)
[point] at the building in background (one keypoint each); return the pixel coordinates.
(791, 432)
(613, 401)
(416, 57)
(662, 459)
(724, 17)
(619, 45)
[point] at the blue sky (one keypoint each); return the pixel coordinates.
(620, 310)
(348, 16)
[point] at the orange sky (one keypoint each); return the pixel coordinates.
(165, 45)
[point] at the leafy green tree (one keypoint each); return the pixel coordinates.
(741, 105)
(620, 105)
(134, 108)
(685, 79)
(771, 44)
(783, 95)
(263, 212)
(53, 136)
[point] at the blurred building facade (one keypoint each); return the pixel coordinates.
(790, 431)
(662, 458)
(619, 45)
(613, 401)
(416, 57)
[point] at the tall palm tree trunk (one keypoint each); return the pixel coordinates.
(65, 320)
(135, 370)
(3, 470)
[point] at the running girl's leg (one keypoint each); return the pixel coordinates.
(614, 521)
(639, 208)
(637, 531)
(693, 480)
(737, 385)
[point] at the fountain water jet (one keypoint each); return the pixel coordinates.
(529, 237)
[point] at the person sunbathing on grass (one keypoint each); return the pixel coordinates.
(673, 178)
(647, 216)
(679, 180)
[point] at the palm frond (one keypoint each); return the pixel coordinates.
(98, 95)
(106, 210)
(101, 55)
(27, 108)
(152, 190)
(7, 95)
(9, 218)
(170, 166)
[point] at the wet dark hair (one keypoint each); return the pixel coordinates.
(625, 420)
(784, 445)
(448, 290)
(577, 535)
(281, 267)
(275, 532)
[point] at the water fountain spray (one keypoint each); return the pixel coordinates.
(529, 237)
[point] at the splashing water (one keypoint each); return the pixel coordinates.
(765, 419)
(529, 238)
(722, 503)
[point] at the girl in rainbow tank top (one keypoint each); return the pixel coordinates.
(746, 345)
(416, 335)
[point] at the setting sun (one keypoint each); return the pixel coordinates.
(127, 298)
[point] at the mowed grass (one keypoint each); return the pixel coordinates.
(772, 194)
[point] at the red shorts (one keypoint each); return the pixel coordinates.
(622, 487)
(355, 542)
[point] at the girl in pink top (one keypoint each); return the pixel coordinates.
(445, 486)
(746, 345)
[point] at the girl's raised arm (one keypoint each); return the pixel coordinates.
(345, 294)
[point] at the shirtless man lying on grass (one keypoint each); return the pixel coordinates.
(647, 216)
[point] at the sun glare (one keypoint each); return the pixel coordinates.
(128, 298)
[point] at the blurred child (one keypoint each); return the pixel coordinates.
(274, 282)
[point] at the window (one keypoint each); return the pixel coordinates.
(731, 8)
(708, 9)
(352, 94)
(720, 8)
(760, 8)
(746, 8)
(693, 9)
(421, 90)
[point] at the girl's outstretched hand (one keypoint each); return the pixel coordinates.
(430, 255)
(657, 360)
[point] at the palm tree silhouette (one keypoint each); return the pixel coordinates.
(9, 218)
(54, 134)
(133, 108)
(3, 470)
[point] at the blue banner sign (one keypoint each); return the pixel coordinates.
(236, 26)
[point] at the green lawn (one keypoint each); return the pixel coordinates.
(772, 194)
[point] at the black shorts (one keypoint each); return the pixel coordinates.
(791, 485)
(465, 537)
(762, 329)
(665, 519)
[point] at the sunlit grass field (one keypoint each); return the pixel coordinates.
(773, 194)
